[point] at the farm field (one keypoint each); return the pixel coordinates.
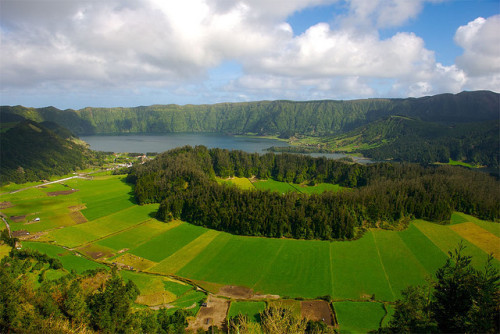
(251, 309)
(278, 186)
(359, 317)
(377, 266)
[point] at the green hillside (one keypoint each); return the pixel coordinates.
(413, 140)
(268, 117)
(30, 151)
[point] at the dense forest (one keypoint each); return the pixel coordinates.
(183, 181)
(31, 151)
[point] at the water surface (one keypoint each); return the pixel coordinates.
(144, 143)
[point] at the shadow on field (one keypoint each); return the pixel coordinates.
(132, 199)
(131, 192)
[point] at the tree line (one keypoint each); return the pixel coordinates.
(183, 182)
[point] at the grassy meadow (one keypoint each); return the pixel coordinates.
(252, 309)
(114, 229)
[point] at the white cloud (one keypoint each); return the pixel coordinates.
(322, 52)
(480, 40)
(383, 13)
(132, 44)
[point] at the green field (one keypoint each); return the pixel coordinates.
(358, 317)
(82, 233)
(282, 187)
(69, 260)
(273, 185)
(251, 309)
(317, 189)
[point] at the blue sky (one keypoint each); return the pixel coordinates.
(78, 53)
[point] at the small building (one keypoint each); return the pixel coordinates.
(37, 219)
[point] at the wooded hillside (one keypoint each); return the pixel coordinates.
(268, 117)
(183, 181)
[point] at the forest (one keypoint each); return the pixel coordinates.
(183, 182)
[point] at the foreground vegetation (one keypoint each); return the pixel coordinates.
(92, 301)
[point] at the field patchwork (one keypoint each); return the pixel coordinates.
(478, 236)
(184, 255)
(168, 242)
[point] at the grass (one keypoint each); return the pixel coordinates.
(424, 250)
(273, 185)
(69, 260)
(317, 189)
(138, 235)
(252, 309)
(360, 317)
(177, 260)
(479, 237)
(357, 271)
(167, 243)
(104, 195)
(83, 233)
(448, 240)
(240, 182)
(460, 163)
(401, 266)
(155, 290)
(134, 261)
(278, 186)
(458, 217)
(191, 301)
(4, 250)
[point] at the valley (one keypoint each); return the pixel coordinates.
(99, 225)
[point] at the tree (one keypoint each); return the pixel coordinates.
(412, 312)
(111, 307)
(454, 293)
(279, 319)
(462, 300)
(74, 305)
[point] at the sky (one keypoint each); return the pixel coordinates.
(112, 53)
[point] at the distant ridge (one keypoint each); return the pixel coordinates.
(326, 117)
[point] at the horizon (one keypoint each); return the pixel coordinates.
(78, 53)
(256, 101)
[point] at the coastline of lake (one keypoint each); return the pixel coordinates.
(144, 143)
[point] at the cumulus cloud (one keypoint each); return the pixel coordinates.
(74, 45)
(480, 40)
(114, 41)
(383, 13)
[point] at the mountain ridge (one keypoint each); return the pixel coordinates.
(322, 117)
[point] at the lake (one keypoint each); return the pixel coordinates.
(144, 143)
